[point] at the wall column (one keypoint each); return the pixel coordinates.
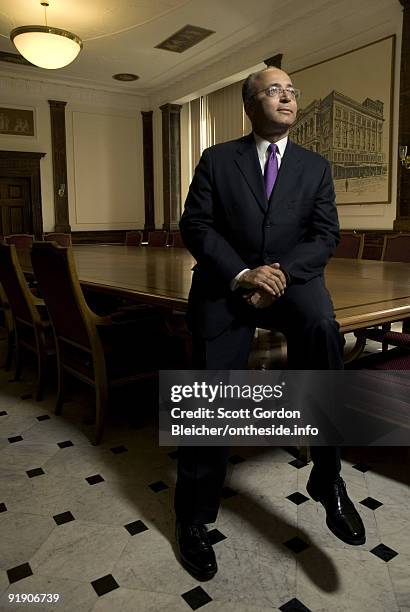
(60, 190)
(148, 153)
(402, 222)
(171, 158)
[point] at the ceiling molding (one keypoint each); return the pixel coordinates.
(290, 30)
(36, 88)
(338, 36)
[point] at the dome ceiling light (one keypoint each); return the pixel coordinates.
(44, 46)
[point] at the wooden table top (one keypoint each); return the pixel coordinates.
(364, 292)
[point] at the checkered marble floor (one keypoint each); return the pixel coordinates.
(95, 524)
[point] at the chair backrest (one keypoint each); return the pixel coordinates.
(350, 246)
(60, 238)
(396, 247)
(158, 238)
(55, 272)
(15, 286)
(176, 240)
(20, 241)
(133, 238)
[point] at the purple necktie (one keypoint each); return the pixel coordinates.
(271, 169)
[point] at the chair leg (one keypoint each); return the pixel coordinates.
(41, 367)
(60, 390)
(10, 349)
(101, 406)
(19, 362)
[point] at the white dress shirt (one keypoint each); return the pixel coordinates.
(262, 149)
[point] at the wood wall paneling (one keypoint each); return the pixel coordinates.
(148, 152)
(402, 222)
(171, 156)
(60, 188)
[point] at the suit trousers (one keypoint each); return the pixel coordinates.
(305, 315)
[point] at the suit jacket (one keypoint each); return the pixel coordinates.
(228, 224)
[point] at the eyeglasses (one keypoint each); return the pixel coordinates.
(277, 92)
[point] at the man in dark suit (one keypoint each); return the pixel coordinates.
(261, 221)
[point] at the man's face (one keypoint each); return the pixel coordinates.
(276, 114)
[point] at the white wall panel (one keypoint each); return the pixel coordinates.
(107, 171)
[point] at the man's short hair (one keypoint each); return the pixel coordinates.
(249, 82)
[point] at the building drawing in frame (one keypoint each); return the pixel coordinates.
(347, 119)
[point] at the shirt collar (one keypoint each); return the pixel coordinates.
(262, 145)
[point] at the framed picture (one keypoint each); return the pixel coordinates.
(17, 121)
(345, 114)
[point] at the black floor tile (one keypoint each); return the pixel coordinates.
(362, 467)
(196, 598)
(64, 517)
(227, 492)
(371, 503)
(297, 498)
(65, 444)
(158, 486)
(136, 527)
(92, 480)
(104, 585)
(215, 536)
(297, 463)
(294, 605)
(235, 459)
(43, 417)
(116, 450)
(19, 572)
(15, 439)
(384, 552)
(35, 472)
(296, 545)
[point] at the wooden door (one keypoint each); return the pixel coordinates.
(15, 206)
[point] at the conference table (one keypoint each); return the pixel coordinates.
(364, 292)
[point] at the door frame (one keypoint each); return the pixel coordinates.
(26, 164)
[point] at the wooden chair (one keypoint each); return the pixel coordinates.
(350, 246)
(8, 325)
(158, 238)
(103, 352)
(32, 329)
(176, 240)
(133, 238)
(397, 358)
(396, 247)
(20, 241)
(59, 237)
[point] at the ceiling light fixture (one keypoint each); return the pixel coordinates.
(125, 76)
(44, 46)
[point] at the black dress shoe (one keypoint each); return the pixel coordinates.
(195, 550)
(342, 517)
